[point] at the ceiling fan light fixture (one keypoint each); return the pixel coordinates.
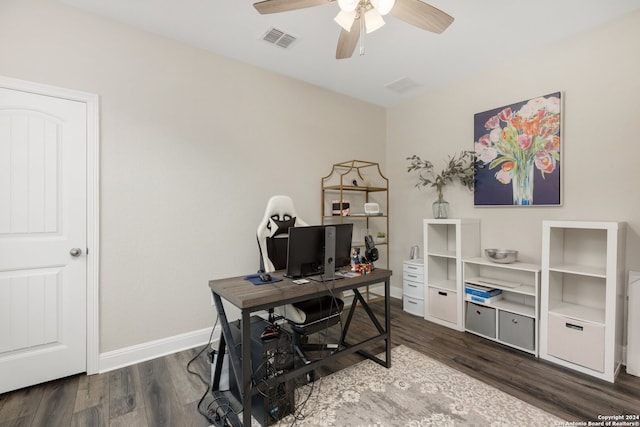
(345, 19)
(373, 20)
(383, 6)
(348, 5)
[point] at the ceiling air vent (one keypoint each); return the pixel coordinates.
(402, 85)
(279, 38)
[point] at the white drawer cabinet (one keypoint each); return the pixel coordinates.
(413, 286)
(413, 306)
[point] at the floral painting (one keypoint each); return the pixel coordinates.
(517, 149)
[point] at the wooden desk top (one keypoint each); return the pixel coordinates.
(245, 295)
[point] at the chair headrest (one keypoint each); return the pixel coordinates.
(279, 215)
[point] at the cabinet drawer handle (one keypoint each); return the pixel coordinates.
(412, 268)
(478, 312)
(412, 302)
(412, 286)
(514, 320)
(442, 293)
(575, 327)
(411, 275)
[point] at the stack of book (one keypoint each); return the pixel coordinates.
(481, 294)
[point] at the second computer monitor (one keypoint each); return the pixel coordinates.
(306, 249)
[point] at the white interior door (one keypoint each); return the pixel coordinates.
(43, 238)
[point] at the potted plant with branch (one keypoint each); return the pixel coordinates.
(460, 167)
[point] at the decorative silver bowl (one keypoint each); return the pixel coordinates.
(501, 256)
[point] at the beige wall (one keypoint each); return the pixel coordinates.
(192, 146)
(597, 73)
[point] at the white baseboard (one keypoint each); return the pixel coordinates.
(394, 291)
(141, 352)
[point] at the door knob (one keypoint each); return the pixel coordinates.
(75, 251)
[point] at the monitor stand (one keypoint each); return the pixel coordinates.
(329, 257)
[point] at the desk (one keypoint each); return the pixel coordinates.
(250, 298)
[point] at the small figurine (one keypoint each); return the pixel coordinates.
(355, 258)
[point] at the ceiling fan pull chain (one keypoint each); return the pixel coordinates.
(362, 32)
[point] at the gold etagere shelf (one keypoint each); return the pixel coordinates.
(359, 182)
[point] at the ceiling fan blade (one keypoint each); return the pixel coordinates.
(421, 15)
(274, 6)
(348, 40)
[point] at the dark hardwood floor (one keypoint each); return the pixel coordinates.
(161, 392)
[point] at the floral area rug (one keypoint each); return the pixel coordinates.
(416, 391)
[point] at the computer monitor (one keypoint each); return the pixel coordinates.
(306, 249)
(343, 238)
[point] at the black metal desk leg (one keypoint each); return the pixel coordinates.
(217, 373)
(246, 368)
(387, 319)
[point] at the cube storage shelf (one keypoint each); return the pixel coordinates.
(582, 296)
(446, 243)
(569, 310)
(512, 320)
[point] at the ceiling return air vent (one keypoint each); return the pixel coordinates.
(279, 38)
(402, 85)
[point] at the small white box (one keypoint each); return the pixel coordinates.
(371, 208)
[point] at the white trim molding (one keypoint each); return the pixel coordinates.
(396, 292)
(142, 352)
(128, 356)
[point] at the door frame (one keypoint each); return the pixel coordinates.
(93, 203)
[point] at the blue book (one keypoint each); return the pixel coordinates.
(481, 291)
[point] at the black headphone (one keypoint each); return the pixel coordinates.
(371, 252)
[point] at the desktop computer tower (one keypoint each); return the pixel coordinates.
(269, 359)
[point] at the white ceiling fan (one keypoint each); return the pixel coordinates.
(359, 16)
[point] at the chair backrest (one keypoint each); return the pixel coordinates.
(272, 232)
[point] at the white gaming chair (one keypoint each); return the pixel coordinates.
(306, 317)
(273, 236)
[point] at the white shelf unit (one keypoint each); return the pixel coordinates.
(582, 296)
(446, 243)
(516, 316)
(413, 287)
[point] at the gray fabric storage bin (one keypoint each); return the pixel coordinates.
(516, 329)
(481, 319)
